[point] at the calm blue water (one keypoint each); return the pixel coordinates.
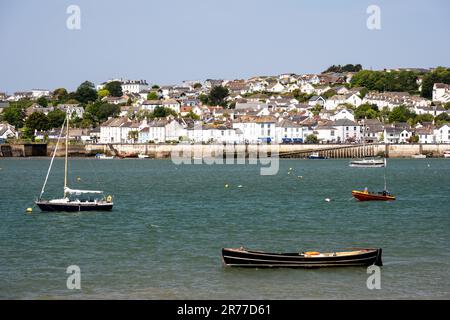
(163, 238)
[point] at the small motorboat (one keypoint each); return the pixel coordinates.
(418, 156)
(315, 155)
(241, 257)
(142, 156)
(103, 156)
(365, 195)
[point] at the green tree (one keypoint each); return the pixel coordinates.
(103, 93)
(14, 115)
(328, 94)
(161, 112)
(363, 92)
(311, 138)
(60, 95)
(86, 93)
(217, 96)
(369, 111)
(440, 74)
(133, 135)
(197, 85)
(346, 68)
(442, 118)
(56, 118)
(203, 98)
(423, 118)
(42, 101)
(192, 115)
(316, 109)
(386, 81)
(37, 121)
(114, 88)
(155, 86)
(152, 96)
(400, 114)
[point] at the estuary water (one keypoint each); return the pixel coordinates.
(163, 238)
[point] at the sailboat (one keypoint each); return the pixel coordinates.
(74, 199)
(365, 195)
(367, 162)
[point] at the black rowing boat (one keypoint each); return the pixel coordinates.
(241, 257)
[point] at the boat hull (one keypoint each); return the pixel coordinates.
(246, 258)
(366, 164)
(73, 207)
(363, 196)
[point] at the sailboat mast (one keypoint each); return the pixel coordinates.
(385, 165)
(67, 148)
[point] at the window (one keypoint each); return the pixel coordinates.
(346, 128)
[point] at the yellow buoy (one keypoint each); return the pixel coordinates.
(290, 168)
(78, 178)
(29, 210)
(226, 186)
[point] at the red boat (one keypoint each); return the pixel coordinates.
(370, 196)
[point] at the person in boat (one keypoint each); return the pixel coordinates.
(366, 190)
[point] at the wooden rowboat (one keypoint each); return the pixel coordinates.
(241, 257)
(370, 196)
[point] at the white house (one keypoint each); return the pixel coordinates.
(7, 131)
(343, 114)
(134, 86)
(397, 135)
(326, 133)
(277, 87)
(37, 93)
(441, 92)
(150, 105)
(318, 90)
(117, 130)
(307, 88)
(171, 104)
(347, 130)
(316, 100)
(336, 100)
(287, 130)
(257, 129)
(426, 135)
(442, 134)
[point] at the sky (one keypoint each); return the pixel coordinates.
(166, 42)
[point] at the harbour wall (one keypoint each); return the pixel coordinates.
(164, 151)
(161, 151)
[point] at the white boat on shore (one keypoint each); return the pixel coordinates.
(418, 156)
(447, 154)
(142, 156)
(103, 156)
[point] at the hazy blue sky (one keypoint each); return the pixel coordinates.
(166, 42)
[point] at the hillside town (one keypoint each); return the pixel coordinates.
(329, 108)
